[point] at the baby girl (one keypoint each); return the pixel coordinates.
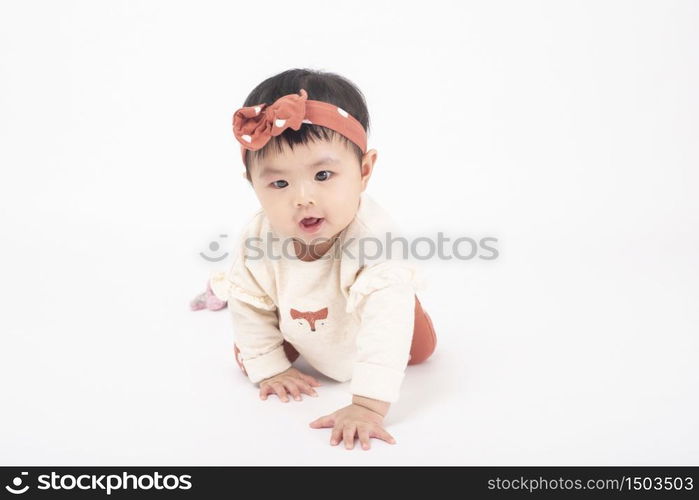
(299, 283)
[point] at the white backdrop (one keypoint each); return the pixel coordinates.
(567, 130)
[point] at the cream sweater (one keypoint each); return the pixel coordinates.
(350, 318)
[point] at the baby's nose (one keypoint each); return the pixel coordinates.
(304, 195)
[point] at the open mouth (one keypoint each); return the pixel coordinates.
(311, 223)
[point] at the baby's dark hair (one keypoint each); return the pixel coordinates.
(320, 86)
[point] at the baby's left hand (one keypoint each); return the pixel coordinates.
(354, 420)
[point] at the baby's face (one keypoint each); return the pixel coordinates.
(319, 180)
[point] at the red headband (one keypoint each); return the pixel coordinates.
(254, 126)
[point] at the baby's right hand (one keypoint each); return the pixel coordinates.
(292, 380)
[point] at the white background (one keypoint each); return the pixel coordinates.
(568, 130)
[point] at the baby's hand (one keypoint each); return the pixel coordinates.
(292, 380)
(354, 419)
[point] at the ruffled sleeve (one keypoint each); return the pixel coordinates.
(239, 283)
(384, 297)
(383, 275)
(255, 320)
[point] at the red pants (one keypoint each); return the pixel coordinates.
(424, 340)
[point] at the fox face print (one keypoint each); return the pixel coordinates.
(313, 318)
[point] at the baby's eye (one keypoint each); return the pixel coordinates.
(278, 186)
(323, 177)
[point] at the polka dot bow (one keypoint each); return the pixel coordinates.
(254, 126)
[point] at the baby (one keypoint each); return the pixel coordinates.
(299, 283)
